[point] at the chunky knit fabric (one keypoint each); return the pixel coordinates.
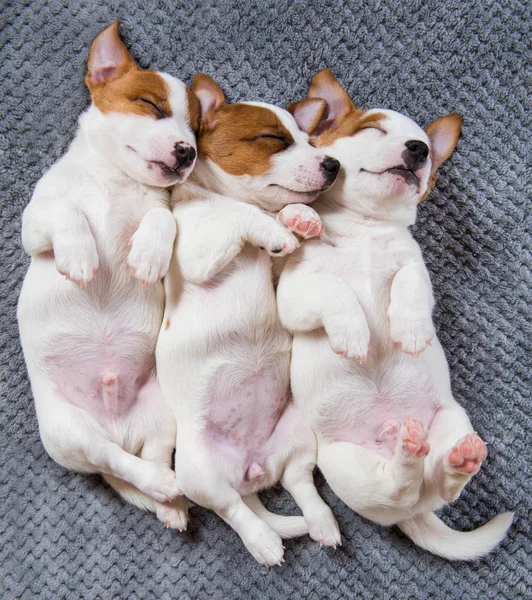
(65, 535)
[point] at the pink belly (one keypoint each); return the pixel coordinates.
(101, 374)
(245, 410)
(377, 426)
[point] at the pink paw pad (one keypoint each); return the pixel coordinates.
(415, 441)
(467, 455)
(305, 229)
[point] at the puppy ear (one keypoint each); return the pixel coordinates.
(209, 94)
(308, 113)
(194, 110)
(109, 58)
(339, 105)
(443, 135)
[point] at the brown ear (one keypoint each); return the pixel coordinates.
(209, 94)
(443, 135)
(339, 105)
(308, 113)
(194, 110)
(109, 58)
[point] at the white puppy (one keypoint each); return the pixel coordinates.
(100, 234)
(392, 442)
(223, 358)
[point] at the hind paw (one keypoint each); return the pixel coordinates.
(323, 527)
(467, 454)
(414, 438)
(265, 545)
(174, 515)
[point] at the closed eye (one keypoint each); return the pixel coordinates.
(373, 127)
(160, 111)
(270, 136)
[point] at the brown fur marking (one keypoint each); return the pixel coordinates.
(194, 110)
(125, 88)
(231, 139)
(124, 95)
(351, 124)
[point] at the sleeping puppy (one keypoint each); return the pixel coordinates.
(223, 358)
(101, 234)
(367, 369)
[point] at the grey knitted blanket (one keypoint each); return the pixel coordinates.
(65, 535)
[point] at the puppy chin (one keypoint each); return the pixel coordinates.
(164, 177)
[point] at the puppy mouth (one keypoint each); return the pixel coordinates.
(407, 174)
(171, 174)
(306, 194)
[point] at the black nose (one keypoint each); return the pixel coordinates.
(330, 167)
(418, 151)
(184, 155)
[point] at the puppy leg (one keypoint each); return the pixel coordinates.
(371, 485)
(298, 479)
(76, 440)
(63, 228)
(155, 423)
(308, 301)
(458, 451)
(204, 478)
(173, 514)
(262, 542)
(152, 246)
(410, 311)
(213, 233)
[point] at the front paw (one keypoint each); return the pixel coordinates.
(277, 240)
(76, 258)
(302, 220)
(411, 332)
(149, 257)
(349, 338)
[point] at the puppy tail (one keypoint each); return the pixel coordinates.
(285, 527)
(430, 533)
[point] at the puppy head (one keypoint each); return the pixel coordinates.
(257, 153)
(388, 161)
(143, 121)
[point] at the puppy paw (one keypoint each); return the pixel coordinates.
(323, 527)
(158, 482)
(411, 332)
(76, 258)
(277, 240)
(150, 255)
(173, 514)
(302, 220)
(349, 338)
(414, 438)
(467, 454)
(265, 546)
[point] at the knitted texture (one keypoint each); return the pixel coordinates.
(65, 535)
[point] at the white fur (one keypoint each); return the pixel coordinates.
(89, 348)
(223, 356)
(359, 302)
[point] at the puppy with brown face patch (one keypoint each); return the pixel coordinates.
(223, 357)
(101, 234)
(367, 368)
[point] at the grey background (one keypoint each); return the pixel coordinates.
(64, 535)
